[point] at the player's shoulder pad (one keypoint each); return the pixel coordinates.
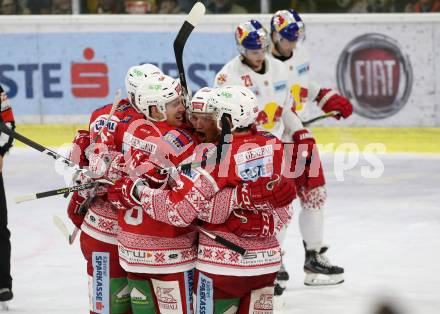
(177, 138)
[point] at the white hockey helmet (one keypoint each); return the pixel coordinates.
(238, 102)
(136, 75)
(203, 101)
(157, 90)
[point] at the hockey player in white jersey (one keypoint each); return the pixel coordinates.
(269, 78)
(287, 35)
(265, 76)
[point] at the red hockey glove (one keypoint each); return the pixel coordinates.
(265, 193)
(79, 146)
(144, 166)
(106, 137)
(6, 113)
(121, 194)
(74, 209)
(328, 100)
(251, 223)
(107, 165)
(306, 164)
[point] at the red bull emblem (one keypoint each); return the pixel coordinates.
(375, 75)
(241, 34)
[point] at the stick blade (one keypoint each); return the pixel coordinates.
(196, 13)
(61, 227)
(72, 237)
(23, 198)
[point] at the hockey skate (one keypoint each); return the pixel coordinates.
(5, 296)
(281, 281)
(319, 271)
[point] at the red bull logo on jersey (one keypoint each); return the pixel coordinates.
(375, 75)
(269, 116)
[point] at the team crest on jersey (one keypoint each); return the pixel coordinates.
(280, 86)
(303, 68)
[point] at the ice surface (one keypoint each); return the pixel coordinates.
(384, 231)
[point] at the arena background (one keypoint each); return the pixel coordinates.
(57, 69)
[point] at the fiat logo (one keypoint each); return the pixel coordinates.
(375, 75)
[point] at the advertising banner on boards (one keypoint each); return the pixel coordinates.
(389, 68)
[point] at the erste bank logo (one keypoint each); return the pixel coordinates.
(88, 78)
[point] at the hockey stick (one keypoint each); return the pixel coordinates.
(63, 229)
(116, 101)
(219, 239)
(193, 18)
(66, 190)
(44, 150)
(324, 116)
(115, 104)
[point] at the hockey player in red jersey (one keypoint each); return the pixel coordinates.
(226, 280)
(287, 34)
(90, 210)
(159, 258)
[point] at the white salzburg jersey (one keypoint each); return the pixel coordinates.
(271, 89)
(298, 68)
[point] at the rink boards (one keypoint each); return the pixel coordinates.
(57, 69)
